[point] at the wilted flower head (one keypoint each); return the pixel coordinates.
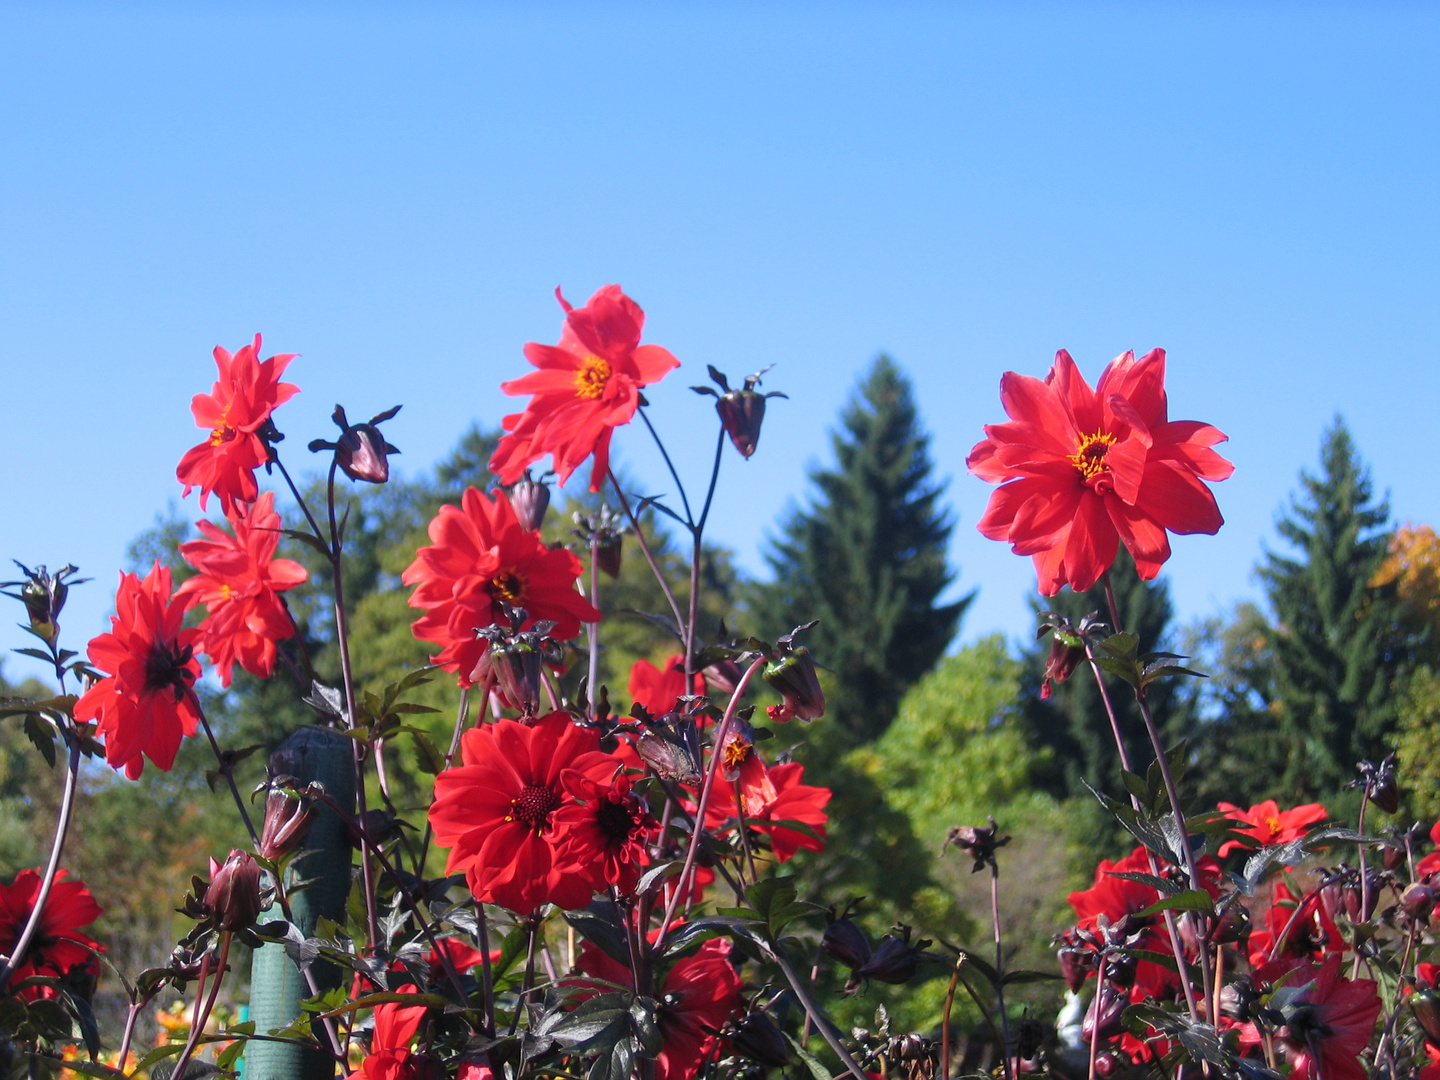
(361, 452)
(288, 817)
(741, 411)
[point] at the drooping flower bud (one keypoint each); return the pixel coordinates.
(233, 896)
(43, 596)
(602, 533)
(742, 412)
(361, 452)
(1417, 902)
(670, 745)
(1425, 1004)
(757, 1038)
(723, 676)
(530, 498)
(1067, 652)
(1379, 783)
(846, 942)
(896, 960)
(1108, 1008)
(517, 659)
(287, 819)
(792, 674)
(1233, 926)
(1029, 1037)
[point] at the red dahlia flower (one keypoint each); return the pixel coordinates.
(658, 689)
(1330, 1020)
(240, 582)
(605, 832)
(1268, 824)
(235, 410)
(1304, 929)
(1082, 469)
(1430, 864)
(147, 703)
(773, 794)
(701, 994)
(58, 947)
(482, 559)
(390, 1057)
(497, 811)
(586, 387)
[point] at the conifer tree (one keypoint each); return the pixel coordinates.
(867, 559)
(1342, 648)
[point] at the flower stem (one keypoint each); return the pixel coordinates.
(1364, 883)
(592, 630)
(689, 517)
(227, 770)
(697, 554)
(649, 555)
(777, 953)
(202, 1013)
(999, 967)
(684, 882)
(57, 846)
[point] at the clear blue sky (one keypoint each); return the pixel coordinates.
(394, 192)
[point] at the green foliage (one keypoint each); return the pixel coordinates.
(1417, 744)
(1341, 647)
(867, 558)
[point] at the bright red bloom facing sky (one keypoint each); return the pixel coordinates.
(1082, 470)
(58, 946)
(483, 558)
(246, 393)
(147, 703)
(1268, 824)
(240, 582)
(497, 812)
(586, 387)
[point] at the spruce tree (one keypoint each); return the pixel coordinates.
(1341, 644)
(867, 559)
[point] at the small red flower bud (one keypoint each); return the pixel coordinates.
(793, 675)
(233, 896)
(1417, 902)
(1110, 1008)
(530, 499)
(1234, 925)
(741, 411)
(608, 555)
(1067, 651)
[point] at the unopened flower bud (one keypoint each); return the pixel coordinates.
(1108, 1007)
(1379, 783)
(723, 676)
(895, 961)
(233, 896)
(287, 820)
(1076, 964)
(1120, 969)
(1234, 925)
(1067, 651)
(516, 667)
(608, 555)
(1106, 1065)
(361, 451)
(1425, 1004)
(793, 676)
(1028, 1038)
(1417, 902)
(757, 1038)
(741, 411)
(43, 596)
(847, 943)
(531, 499)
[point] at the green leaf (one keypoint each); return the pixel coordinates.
(427, 755)
(1164, 886)
(817, 1070)
(42, 737)
(1012, 977)
(1189, 900)
(1124, 645)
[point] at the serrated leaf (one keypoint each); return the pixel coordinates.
(1124, 645)
(1164, 886)
(1128, 670)
(427, 755)
(42, 737)
(817, 1070)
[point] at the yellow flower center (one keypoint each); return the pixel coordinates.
(1273, 824)
(590, 380)
(222, 432)
(226, 592)
(735, 752)
(507, 586)
(1089, 456)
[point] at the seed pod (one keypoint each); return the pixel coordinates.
(895, 961)
(757, 1038)
(847, 943)
(741, 411)
(361, 452)
(1425, 1004)
(287, 819)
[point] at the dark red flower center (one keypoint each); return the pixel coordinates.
(533, 806)
(507, 586)
(1090, 451)
(168, 667)
(618, 818)
(590, 380)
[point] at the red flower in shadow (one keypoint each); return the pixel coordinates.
(659, 688)
(57, 947)
(147, 703)
(1081, 470)
(240, 582)
(1331, 1019)
(237, 407)
(587, 386)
